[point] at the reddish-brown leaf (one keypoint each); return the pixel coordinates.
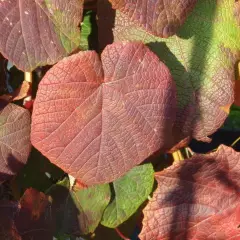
(198, 199)
(98, 120)
(28, 219)
(159, 17)
(14, 139)
(37, 32)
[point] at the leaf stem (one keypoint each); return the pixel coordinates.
(177, 156)
(189, 152)
(28, 78)
(120, 234)
(235, 141)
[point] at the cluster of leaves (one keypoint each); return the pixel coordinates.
(116, 84)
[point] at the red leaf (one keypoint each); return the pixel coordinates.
(198, 199)
(14, 139)
(97, 121)
(161, 18)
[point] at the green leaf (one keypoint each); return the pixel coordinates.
(233, 121)
(131, 191)
(201, 59)
(85, 30)
(78, 211)
(89, 36)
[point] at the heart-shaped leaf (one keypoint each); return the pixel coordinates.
(78, 211)
(131, 191)
(37, 32)
(197, 199)
(159, 17)
(14, 139)
(98, 120)
(201, 59)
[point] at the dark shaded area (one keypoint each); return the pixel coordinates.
(3, 75)
(38, 173)
(12, 167)
(113, 194)
(90, 4)
(159, 161)
(15, 78)
(38, 74)
(64, 212)
(219, 137)
(106, 19)
(27, 219)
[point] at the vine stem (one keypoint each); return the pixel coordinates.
(28, 78)
(121, 235)
(235, 142)
(177, 156)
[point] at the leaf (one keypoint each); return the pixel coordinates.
(201, 59)
(79, 211)
(89, 31)
(27, 219)
(22, 92)
(86, 30)
(14, 139)
(97, 120)
(197, 199)
(36, 33)
(232, 123)
(161, 18)
(131, 191)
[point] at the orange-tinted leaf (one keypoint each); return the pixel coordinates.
(14, 139)
(22, 91)
(35, 202)
(197, 199)
(98, 120)
(161, 18)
